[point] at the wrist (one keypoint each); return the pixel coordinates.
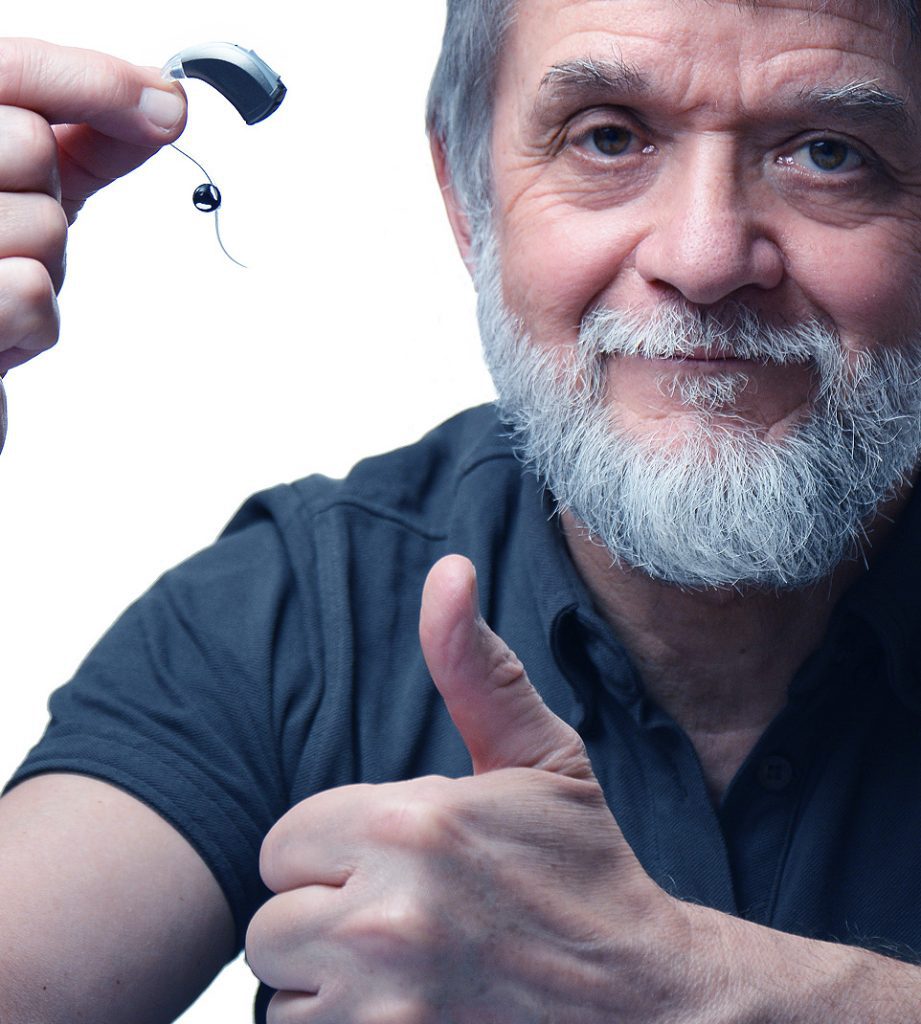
(745, 973)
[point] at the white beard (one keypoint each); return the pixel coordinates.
(723, 506)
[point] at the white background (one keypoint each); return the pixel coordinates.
(182, 383)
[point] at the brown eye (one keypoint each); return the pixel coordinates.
(612, 141)
(829, 154)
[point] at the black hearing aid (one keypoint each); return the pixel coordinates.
(241, 76)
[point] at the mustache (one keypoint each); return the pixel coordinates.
(673, 330)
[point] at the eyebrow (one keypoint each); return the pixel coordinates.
(591, 74)
(859, 102)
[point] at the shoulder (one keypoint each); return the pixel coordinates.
(339, 558)
(417, 488)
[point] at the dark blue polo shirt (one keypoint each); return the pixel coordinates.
(285, 659)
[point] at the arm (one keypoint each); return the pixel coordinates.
(749, 974)
(106, 912)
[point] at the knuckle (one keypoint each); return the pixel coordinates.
(269, 863)
(270, 926)
(16, 55)
(420, 820)
(398, 1010)
(286, 1008)
(111, 78)
(53, 221)
(281, 852)
(407, 916)
(254, 943)
(403, 926)
(413, 920)
(39, 140)
(29, 283)
(34, 226)
(274, 929)
(29, 140)
(504, 667)
(104, 82)
(572, 759)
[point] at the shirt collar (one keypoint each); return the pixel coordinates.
(584, 646)
(885, 601)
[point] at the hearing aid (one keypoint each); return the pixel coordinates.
(244, 79)
(241, 76)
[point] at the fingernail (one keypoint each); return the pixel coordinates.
(163, 109)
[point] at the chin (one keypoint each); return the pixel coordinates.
(706, 431)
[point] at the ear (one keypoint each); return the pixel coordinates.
(456, 214)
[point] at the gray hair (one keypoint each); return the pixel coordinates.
(460, 100)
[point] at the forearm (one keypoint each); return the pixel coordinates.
(748, 974)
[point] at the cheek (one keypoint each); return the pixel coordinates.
(864, 280)
(558, 263)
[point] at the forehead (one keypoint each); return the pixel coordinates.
(755, 47)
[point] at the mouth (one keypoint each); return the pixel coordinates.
(702, 358)
(705, 355)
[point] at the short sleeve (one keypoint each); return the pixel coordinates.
(178, 705)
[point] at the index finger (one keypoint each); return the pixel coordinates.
(70, 85)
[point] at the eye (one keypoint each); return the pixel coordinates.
(828, 156)
(611, 140)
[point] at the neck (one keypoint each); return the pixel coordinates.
(719, 662)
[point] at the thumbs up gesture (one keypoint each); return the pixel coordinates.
(509, 897)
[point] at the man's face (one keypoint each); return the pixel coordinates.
(700, 299)
(649, 153)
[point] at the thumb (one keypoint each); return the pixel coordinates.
(500, 716)
(109, 116)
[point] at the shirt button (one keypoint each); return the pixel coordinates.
(775, 773)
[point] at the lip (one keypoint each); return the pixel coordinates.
(702, 355)
(701, 358)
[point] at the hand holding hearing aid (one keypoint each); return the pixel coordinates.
(71, 122)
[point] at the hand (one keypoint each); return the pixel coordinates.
(510, 897)
(95, 104)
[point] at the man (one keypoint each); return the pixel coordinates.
(693, 231)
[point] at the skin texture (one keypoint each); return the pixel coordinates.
(713, 210)
(511, 895)
(107, 913)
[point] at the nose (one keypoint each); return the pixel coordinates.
(706, 239)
